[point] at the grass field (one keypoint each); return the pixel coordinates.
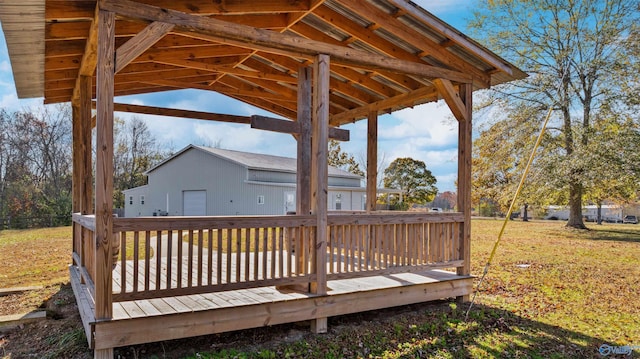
(550, 293)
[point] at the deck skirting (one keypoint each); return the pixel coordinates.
(144, 321)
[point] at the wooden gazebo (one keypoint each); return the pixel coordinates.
(317, 63)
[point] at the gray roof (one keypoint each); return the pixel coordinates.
(256, 161)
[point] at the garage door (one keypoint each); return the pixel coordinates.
(194, 203)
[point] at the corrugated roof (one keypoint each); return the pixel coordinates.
(256, 161)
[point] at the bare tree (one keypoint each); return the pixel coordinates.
(136, 150)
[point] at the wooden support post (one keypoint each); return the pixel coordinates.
(81, 178)
(372, 160)
(319, 177)
(76, 176)
(464, 181)
(303, 185)
(104, 171)
(86, 190)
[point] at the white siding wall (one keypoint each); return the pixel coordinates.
(227, 188)
(133, 206)
(358, 202)
(195, 170)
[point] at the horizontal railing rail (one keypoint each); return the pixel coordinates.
(172, 256)
(384, 243)
(84, 248)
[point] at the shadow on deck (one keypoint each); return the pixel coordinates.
(157, 319)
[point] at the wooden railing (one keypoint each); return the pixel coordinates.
(171, 256)
(84, 247)
(372, 244)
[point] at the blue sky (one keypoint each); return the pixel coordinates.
(427, 132)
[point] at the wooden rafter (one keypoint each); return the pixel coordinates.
(411, 36)
(138, 44)
(268, 41)
(383, 105)
(452, 35)
(291, 20)
(194, 64)
(402, 81)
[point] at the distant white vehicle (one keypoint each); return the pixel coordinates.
(609, 213)
(436, 209)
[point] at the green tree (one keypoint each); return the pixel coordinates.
(342, 160)
(413, 178)
(581, 59)
(613, 172)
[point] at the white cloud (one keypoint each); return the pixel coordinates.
(242, 138)
(429, 125)
(11, 102)
(447, 182)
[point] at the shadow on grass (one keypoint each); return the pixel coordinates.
(606, 233)
(429, 330)
(622, 235)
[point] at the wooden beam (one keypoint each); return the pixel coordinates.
(75, 10)
(417, 96)
(269, 41)
(221, 88)
(274, 124)
(303, 179)
(197, 115)
(140, 43)
(319, 175)
(464, 181)
(372, 160)
(284, 126)
(452, 98)
(104, 171)
(89, 56)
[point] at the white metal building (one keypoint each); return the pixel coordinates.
(200, 181)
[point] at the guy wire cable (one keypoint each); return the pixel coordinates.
(506, 219)
(517, 193)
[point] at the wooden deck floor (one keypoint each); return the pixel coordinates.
(142, 321)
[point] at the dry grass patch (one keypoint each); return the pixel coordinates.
(584, 281)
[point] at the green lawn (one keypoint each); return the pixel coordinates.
(550, 293)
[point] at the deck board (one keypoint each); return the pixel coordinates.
(143, 321)
(248, 308)
(262, 295)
